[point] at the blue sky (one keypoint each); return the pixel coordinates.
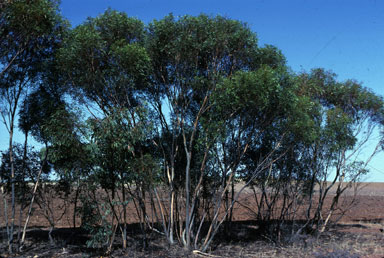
(346, 37)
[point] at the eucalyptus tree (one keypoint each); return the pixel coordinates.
(279, 190)
(336, 122)
(107, 69)
(349, 118)
(46, 117)
(209, 78)
(190, 55)
(29, 32)
(256, 113)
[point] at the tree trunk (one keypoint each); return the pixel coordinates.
(187, 206)
(10, 235)
(75, 204)
(23, 178)
(32, 200)
(125, 216)
(51, 241)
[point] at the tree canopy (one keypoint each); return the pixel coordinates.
(181, 109)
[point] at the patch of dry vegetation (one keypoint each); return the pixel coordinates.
(343, 240)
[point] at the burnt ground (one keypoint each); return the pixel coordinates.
(343, 240)
(357, 234)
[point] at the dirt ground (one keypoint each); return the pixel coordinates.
(357, 234)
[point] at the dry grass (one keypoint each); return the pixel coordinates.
(344, 240)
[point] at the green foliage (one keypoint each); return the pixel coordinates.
(120, 148)
(26, 170)
(95, 221)
(38, 110)
(253, 92)
(342, 108)
(190, 55)
(29, 32)
(105, 61)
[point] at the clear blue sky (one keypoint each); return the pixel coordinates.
(346, 37)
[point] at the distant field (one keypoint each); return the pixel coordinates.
(369, 205)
